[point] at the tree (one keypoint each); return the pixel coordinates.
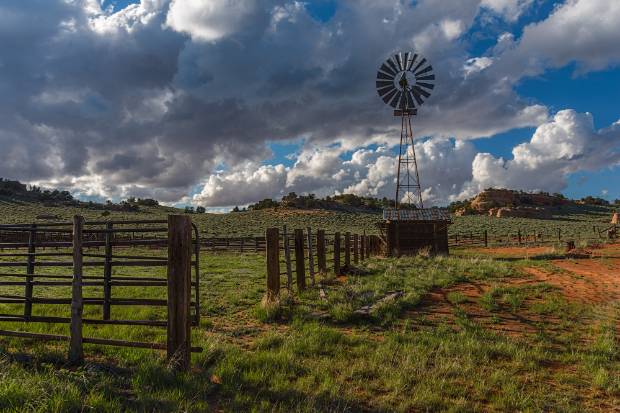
(200, 210)
(189, 210)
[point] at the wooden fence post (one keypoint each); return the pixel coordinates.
(347, 250)
(76, 351)
(273, 263)
(368, 245)
(363, 247)
(320, 251)
(179, 290)
(486, 238)
(356, 248)
(32, 237)
(300, 265)
(107, 272)
(310, 255)
(337, 253)
(287, 260)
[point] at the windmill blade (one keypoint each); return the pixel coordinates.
(386, 89)
(403, 101)
(405, 60)
(418, 65)
(392, 65)
(399, 61)
(387, 70)
(426, 85)
(410, 104)
(429, 77)
(417, 97)
(381, 75)
(383, 83)
(411, 61)
(425, 70)
(396, 99)
(421, 91)
(389, 96)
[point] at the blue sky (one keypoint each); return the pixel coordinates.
(182, 101)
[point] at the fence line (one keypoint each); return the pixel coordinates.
(328, 251)
(177, 235)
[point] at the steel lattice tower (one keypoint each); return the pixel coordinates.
(408, 189)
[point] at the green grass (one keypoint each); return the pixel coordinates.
(575, 222)
(309, 355)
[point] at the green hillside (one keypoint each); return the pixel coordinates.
(573, 220)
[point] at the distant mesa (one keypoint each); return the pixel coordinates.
(506, 203)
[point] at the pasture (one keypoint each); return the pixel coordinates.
(486, 329)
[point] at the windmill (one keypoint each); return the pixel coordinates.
(404, 81)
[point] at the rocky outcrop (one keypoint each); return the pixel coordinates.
(520, 212)
(499, 198)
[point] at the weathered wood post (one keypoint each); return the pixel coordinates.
(179, 290)
(368, 245)
(337, 253)
(347, 250)
(273, 263)
(76, 351)
(356, 256)
(310, 255)
(486, 238)
(287, 261)
(107, 271)
(300, 265)
(363, 246)
(32, 238)
(320, 251)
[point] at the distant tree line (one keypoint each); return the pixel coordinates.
(310, 201)
(15, 190)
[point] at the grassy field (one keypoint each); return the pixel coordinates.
(313, 354)
(574, 221)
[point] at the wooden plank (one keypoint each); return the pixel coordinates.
(32, 236)
(300, 265)
(179, 290)
(320, 251)
(287, 260)
(310, 255)
(347, 250)
(107, 272)
(76, 351)
(363, 247)
(356, 256)
(337, 253)
(273, 263)
(196, 283)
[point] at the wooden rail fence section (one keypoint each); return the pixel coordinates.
(522, 237)
(323, 249)
(177, 234)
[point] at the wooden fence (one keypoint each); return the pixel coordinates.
(311, 253)
(82, 244)
(522, 237)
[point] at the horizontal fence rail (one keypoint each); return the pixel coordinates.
(101, 257)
